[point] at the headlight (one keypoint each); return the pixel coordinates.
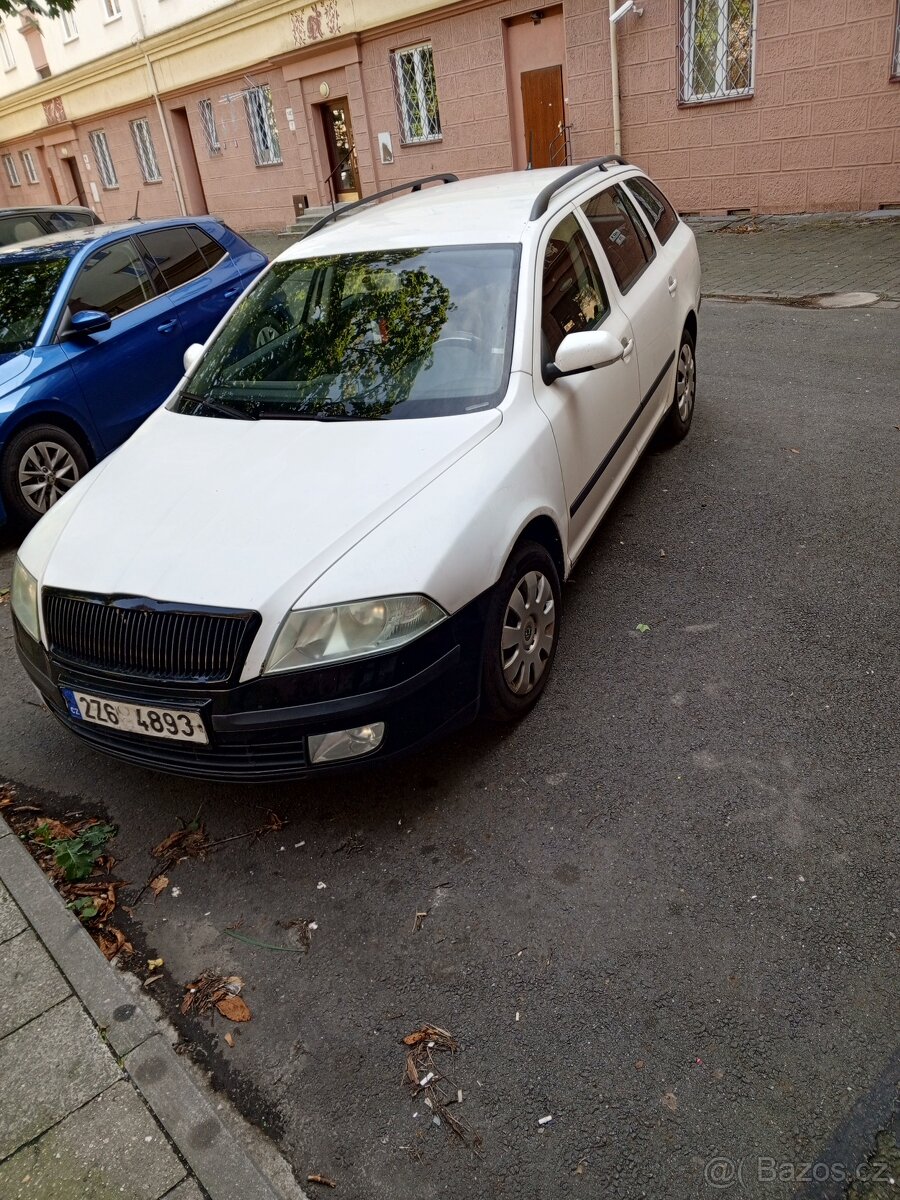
(24, 600)
(314, 637)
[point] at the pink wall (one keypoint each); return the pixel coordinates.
(821, 131)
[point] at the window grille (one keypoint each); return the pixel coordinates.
(112, 8)
(210, 129)
(416, 94)
(30, 169)
(103, 159)
(9, 60)
(263, 130)
(143, 144)
(895, 61)
(717, 49)
(70, 29)
(11, 170)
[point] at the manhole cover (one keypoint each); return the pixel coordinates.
(848, 300)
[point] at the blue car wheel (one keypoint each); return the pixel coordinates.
(40, 464)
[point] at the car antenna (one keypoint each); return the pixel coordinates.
(137, 205)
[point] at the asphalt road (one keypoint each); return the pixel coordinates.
(680, 871)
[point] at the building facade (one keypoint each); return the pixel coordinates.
(253, 109)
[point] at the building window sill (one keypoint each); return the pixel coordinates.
(111, 20)
(429, 140)
(6, 70)
(702, 101)
(74, 38)
(262, 166)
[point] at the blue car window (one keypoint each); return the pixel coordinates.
(114, 280)
(176, 254)
(27, 289)
(212, 251)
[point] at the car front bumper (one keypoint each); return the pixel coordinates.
(258, 730)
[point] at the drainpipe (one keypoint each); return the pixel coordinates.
(614, 80)
(154, 91)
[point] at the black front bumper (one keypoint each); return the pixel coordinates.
(258, 730)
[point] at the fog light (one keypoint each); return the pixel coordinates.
(346, 743)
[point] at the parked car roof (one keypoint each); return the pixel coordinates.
(14, 210)
(493, 208)
(71, 241)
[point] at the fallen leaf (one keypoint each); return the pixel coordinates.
(151, 979)
(111, 941)
(670, 1101)
(323, 1179)
(190, 842)
(234, 1008)
(154, 964)
(159, 884)
(229, 1039)
(642, 628)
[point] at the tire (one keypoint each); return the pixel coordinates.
(36, 452)
(513, 678)
(677, 421)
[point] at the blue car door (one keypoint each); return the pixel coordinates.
(202, 280)
(128, 370)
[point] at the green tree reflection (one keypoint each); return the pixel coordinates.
(26, 290)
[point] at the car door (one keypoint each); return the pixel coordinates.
(588, 412)
(129, 369)
(643, 287)
(201, 279)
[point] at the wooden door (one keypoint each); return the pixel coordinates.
(542, 104)
(341, 154)
(80, 196)
(194, 195)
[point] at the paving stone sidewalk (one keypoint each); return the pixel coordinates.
(776, 257)
(94, 1102)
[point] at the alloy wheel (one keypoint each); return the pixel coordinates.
(526, 640)
(685, 382)
(46, 471)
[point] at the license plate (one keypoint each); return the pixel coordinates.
(135, 718)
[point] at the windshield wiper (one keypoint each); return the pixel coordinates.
(242, 414)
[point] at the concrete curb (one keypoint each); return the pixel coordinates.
(221, 1166)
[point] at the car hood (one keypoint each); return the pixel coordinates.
(244, 514)
(12, 366)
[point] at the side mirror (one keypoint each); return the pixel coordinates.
(89, 321)
(192, 357)
(584, 351)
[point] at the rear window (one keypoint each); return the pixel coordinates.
(659, 212)
(210, 248)
(19, 228)
(177, 255)
(623, 239)
(26, 292)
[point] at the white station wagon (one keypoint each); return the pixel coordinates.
(348, 527)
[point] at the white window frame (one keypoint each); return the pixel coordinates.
(142, 137)
(210, 128)
(9, 59)
(112, 10)
(106, 168)
(12, 171)
(260, 112)
(689, 33)
(28, 164)
(407, 137)
(69, 26)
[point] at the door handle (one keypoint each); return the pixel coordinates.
(672, 285)
(232, 292)
(167, 326)
(627, 346)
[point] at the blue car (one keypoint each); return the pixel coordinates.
(93, 328)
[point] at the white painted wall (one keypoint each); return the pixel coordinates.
(23, 73)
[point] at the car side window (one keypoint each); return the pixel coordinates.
(114, 280)
(659, 212)
(177, 255)
(209, 247)
(59, 222)
(624, 239)
(573, 296)
(19, 229)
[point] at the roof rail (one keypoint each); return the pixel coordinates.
(542, 199)
(414, 186)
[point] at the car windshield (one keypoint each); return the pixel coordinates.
(27, 287)
(382, 334)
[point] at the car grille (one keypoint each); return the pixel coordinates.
(147, 639)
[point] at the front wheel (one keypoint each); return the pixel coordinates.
(677, 421)
(39, 465)
(521, 634)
